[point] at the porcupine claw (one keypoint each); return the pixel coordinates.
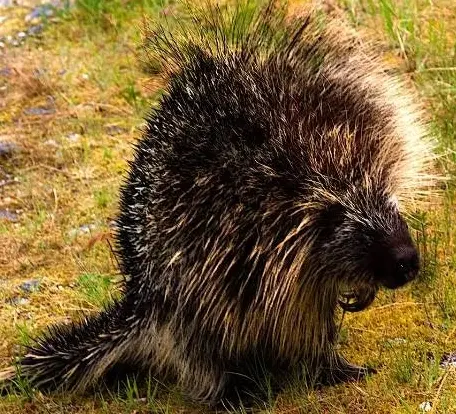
(362, 299)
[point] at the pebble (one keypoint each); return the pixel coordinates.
(7, 149)
(448, 360)
(5, 71)
(8, 180)
(425, 406)
(37, 111)
(30, 286)
(46, 10)
(21, 35)
(35, 29)
(18, 301)
(84, 229)
(8, 215)
(397, 341)
(73, 137)
(114, 130)
(51, 143)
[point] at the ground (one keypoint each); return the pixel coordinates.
(73, 93)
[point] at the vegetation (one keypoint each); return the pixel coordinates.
(73, 101)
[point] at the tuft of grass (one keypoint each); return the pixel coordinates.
(25, 334)
(103, 197)
(108, 15)
(95, 288)
(403, 367)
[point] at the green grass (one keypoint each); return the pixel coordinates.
(90, 63)
(95, 288)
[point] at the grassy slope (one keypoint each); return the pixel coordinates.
(86, 67)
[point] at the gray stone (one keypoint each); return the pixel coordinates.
(37, 111)
(8, 148)
(18, 301)
(30, 286)
(8, 215)
(448, 360)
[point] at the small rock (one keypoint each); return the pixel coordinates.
(9, 180)
(114, 130)
(397, 341)
(3, 18)
(84, 229)
(448, 360)
(73, 137)
(39, 111)
(2, 45)
(30, 286)
(22, 35)
(15, 43)
(425, 406)
(46, 10)
(85, 76)
(8, 215)
(39, 72)
(35, 29)
(18, 301)
(7, 149)
(51, 143)
(6, 3)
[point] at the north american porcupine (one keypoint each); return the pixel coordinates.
(267, 184)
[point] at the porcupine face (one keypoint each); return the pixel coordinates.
(370, 245)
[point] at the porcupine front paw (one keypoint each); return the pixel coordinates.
(350, 373)
(340, 371)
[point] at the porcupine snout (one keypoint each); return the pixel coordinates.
(396, 258)
(405, 266)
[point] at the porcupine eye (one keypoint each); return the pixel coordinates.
(329, 219)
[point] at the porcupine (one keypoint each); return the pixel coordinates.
(273, 177)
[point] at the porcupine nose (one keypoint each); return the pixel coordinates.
(407, 264)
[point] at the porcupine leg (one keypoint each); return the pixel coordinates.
(204, 384)
(73, 357)
(338, 370)
(209, 380)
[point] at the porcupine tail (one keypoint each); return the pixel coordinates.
(74, 357)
